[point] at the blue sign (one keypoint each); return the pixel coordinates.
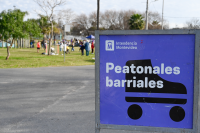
(147, 80)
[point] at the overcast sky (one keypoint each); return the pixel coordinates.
(176, 12)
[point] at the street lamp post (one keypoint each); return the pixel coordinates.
(162, 13)
(98, 6)
(146, 27)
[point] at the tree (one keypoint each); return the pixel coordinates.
(82, 23)
(193, 24)
(66, 16)
(33, 28)
(109, 20)
(114, 20)
(124, 17)
(93, 21)
(136, 22)
(44, 25)
(12, 26)
(48, 6)
(154, 25)
(155, 20)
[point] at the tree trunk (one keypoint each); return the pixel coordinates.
(44, 39)
(8, 52)
(54, 41)
(87, 32)
(50, 39)
(49, 44)
(20, 42)
(17, 43)
(30, 41)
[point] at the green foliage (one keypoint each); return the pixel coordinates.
(32, 27)
(136, 22)
(56, 30)
(92, 28)
(155, 23)
(44, 25)
(12, 25)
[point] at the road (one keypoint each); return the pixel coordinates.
(48, 100)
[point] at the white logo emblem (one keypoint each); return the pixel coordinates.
(109, 45)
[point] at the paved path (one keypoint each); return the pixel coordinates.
(48, 100)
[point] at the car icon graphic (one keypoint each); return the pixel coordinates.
(134, 111)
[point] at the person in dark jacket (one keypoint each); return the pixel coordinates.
(82, 48)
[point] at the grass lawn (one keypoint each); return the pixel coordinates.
(26, 58)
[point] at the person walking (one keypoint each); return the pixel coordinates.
(92, 46)
(38, 46)
(87, 49)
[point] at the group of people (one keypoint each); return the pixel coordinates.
(64, 46)
(44, 45)
(84, 45)
(87, 46)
